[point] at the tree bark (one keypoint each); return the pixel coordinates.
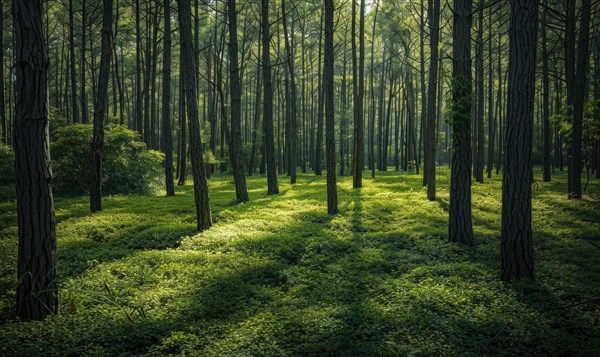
(74, 107)
(100, 107)
(328, 66)
(461, 225)
(201, 198)
(235, 138)
(358, 80)
(546, 98)
(516, 246)
(167, 140)
(84, 100)
(269, 147)
(578, 101)
(293, 151)
(430, 142)
(37, 294)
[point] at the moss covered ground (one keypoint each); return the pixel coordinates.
(279, 277)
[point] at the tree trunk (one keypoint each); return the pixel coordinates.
(84, 100)
(74, 107)
(318, 166)
(100, 107)
(358, 79)
(461, 225)
(516, 246)
(430, 142)
(182, 145)
(235, 137)
(546, 97)
(269, 147)
(167, 140)
(328, 65)
(578, 101)
(293, 144)
(201, 199)
(479, 134)
(138, 71)
(37, 294)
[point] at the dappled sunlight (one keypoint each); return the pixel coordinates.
(279, 276)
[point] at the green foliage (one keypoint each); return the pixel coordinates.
(278, 276)
(7, 165)
(128, 167)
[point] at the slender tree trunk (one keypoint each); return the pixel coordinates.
(138, 71)
(256, 121)
(546, 97)
(269, 146)
(491, 118)
(461, 225)
(84, 100)
(318, 164)
(182, 145)
(358, 80)
(201, 199)
(167, 140)
(479, 134)
(516, 246)
(100, 108)
(37, 294)
(578, 100)
(328, 67)
(293, 144)
(4, 137)
(431, 140)
(235, 137)
(74, 107)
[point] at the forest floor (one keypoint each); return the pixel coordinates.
(279, 276)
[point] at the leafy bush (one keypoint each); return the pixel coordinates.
(7, 165)
(128, 166)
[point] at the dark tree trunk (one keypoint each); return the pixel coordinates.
(546, 98)
(167, 140)
(138, 71)
(235, 137)
(84, 100)
(269, 147)
(74, 106)
(100, 107)
(37, 294)
(293, 136)
(516, 246)
(256, 121)
(461, 225)
(4, 136)
(201, 199)
(318, 164)
(491, 118)
(358, 79)
(479, 134)
(431, 140)
(578, 101)
(182, 145)
(328, 65)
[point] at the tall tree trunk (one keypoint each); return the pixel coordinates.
(516, 246)
(138, 71)
(235, 137)
(100, 108)
(201, 199)
(479, 135)
(461, 225)
(37, 294)
(74, 107)
(182, 145)
(293, 144)
(578, 101)
(167, 140)
(431, 140)
(491, 118)
(546, 97)
(84, 100)
(424, 93)
(358, 80)
(318, 164)
(328, 65)
(4, 137)
(269, 147)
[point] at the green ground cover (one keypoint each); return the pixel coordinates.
(278, 276)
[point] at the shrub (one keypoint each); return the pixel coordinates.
(7, 165)
(128, 166)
